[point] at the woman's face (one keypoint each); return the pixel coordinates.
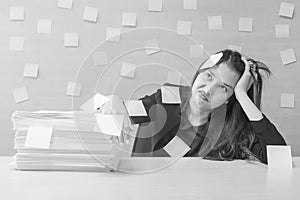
(214, 86)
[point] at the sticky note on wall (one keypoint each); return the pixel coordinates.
(16, 13)
(128, 70)
(71, 40)
(16, 43)
(113, 34)
(129, 19)
(287, 56)
(20, 94)
(286, 9)
(245, 24)
(184, 27)
(282, 30)
(44, 26)
(287, 100)
(155, 5)
(67, 4)
(215, 23)
(190, 4)
(31, 70)
(90, 14)
(73, 89)
(151, 46)
(94, 103)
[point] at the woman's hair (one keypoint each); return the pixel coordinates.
(236, 135)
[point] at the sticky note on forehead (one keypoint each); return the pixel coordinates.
(212, 60)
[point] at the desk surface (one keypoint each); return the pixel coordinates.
(188, 178)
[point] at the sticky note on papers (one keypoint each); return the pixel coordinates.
(196, 51)
(100, 58)
(190, 4)
(94, 103)
(31, 70)
(174, 77)
(279, 157)
(235, 48)
(129, 19)
(20, 94)
(184, 27)
(17, 13)
(128, 70)
(73, 89)
(286, 9)
(110, 124)
(39, 137)
(44, 26)
(177, 147)
(170, 95)
(287, 100)
(282, 30)
(71, 40)
(245, 24)
(288, 56)
(90, 14)
(113, 34)
(67, 4)
(135, 108)
(155, 5)
(151, 46)
(215, 23)
(16, 43)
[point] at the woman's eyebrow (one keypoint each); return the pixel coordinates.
(227, 85)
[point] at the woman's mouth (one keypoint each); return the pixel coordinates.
(202, 96)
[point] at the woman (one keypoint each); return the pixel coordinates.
(219, 116)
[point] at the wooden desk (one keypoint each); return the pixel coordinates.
(188, 178)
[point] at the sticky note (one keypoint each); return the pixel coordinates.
(174, 77)
(184, 27)
(135, 108)
(100, 58)
(17, 13)
(151, 46)
(90, 14)
(245, 24)
(94, 103)
(288, 56)
(196, 51)
(128, 70)
(129, 19)
(177, 147)
(279, 157)
(44, 26)
(212, 60)
(110, 124)
(71, 40)
(67, 4)
(215, 23)
(113, 34)
(20, 94)
(73, 89)
(39, 137)
(31, 70)
(16, 43)
(282, 30)
(155, 5)
(287, 100)
(286, 9)
(190, 4)
(170, 95)
(235, 48)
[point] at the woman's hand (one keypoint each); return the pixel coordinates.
(246, 79)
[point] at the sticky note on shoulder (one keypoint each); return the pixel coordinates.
(279, 157)
(170, 95)
(94, 103)
(39, 137)
(135, 108)
(177, 147)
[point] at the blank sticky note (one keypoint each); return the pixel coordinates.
(20, 94)
(190, 4)
(155, 5)
(196, 51)
(44, 26)
(94, 103)
(287, 100)
(71, 40)
(113, 34)
(151, 46)
(174, 77)
(282, 30)
(135, 108)
(279, 157)
(39, 137)
(67, 4)
(110, 124)
(16, 43)
(73, 89)
(177, 147)
(215, 23)
(128, 70)
(100, 58)
(31, 70)
(16, 13)
(129, 19)
(212, 60)
(90, 14)
(288, 56)
(286, 9)
(235, 48)
(184, 27)
(245, 24)
(170, 95)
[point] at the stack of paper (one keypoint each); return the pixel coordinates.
(61, 140)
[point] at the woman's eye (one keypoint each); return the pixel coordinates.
(209, 76)
(223, 88)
